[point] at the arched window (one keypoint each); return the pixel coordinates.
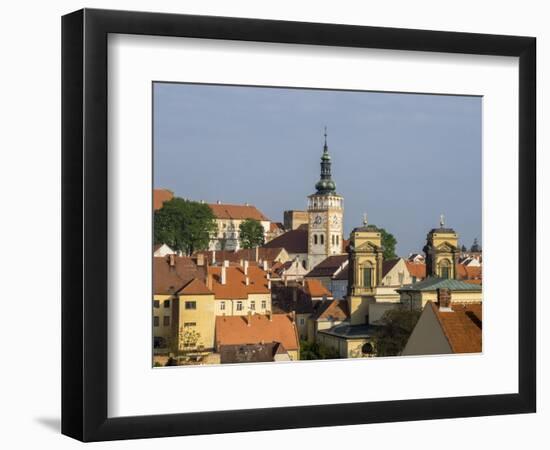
(315, 239)
(445, 268)
(368, 279)
(322, 236)
(332, 238)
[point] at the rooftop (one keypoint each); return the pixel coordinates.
(462, 326)
(235, 330)
(238, 212)
(160, 196)
(347, 331)
(434, 283)
(293, 241)
(235, 285)
(329, 266)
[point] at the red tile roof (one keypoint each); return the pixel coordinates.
(234, 330)
(248, 254)
(336, 310)
(195, 287)
(235, 285)
(468, 272)
(417, 270)
(239, 212)
(316, 289)
(160, 196)
(293, 241)
(168, 280)
(462, 326)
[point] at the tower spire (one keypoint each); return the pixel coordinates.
(325, 185)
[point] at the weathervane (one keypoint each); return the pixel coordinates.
(365, 221)
(441, 220)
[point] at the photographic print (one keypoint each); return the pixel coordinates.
(294, 224)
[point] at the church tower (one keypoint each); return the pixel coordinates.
(325, 216)
(366, 259)
(442, 251)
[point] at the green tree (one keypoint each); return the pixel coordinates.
(313, 350)
(184, 225)
(251, 233)
(388, 242)
(396, 327)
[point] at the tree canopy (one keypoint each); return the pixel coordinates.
(388, 242)
(251, 233)
(396, 327)
(184, 225)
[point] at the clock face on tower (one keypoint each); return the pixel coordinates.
(317, 221)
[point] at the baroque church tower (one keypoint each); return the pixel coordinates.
(325, 216)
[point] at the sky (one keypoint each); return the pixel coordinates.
(403, 159)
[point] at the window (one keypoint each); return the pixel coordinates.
(322, 236)
(239, 306)
(337, 239)
(156, 303)
(302, 321)
(166, 321)
(222, 306)
(414, 279)
(167, 303)
(264, 304)
(367, 277)
(315, 239)
(333, 239)
(445, 269)
(252, 305)
(445, 272)
(156, 321)
(189, 324)
(190, 305)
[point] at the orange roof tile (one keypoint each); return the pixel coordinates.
(235, 285)
(195, 287)
(160, 196)
(417, 270)
(225, 211)
(167, 279)
(461, 326)
(234, 330)
(314, 288)
(336, 309)
(468, 272)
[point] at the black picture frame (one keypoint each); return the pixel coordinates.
(84, 224)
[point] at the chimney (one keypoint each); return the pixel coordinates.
(444, 299)
(213, 257)
(269, 284)
(246, 281)
(293, 316)
(265, 265)
(225, 263)
(209, 281)
(172, 260)
(200, 259)
(246, 268)
(257, 254)
(249, 318)
(241, 262)
(224, 275)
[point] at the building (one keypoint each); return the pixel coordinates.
(162, 250)
(252, 353)
(160, 196)
(419, 294)
(239, 290)
(442, 252)
(316, 290)
(328, 271)
(256, 329)
(290, 271)
(365, 271)
(325, 216)
(326, 315)
(275, 229)
(292, 219)
(445, 327)
(170, 275)
(228, 219)
(295, 244)
(257, 255)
